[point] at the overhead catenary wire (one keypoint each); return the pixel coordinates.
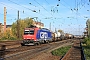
(42, 7)
(68, 5)
(8, 6)
(78, 5)
(14, 18)
(32, 4)
(83, 2)
(39, 9)
(22, 6)
(15, 9)
(64, 5)
(47, 2)
(46, 8)
(12, 7)
(26, 8)
(7, 15)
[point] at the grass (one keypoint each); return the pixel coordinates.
(61, 51)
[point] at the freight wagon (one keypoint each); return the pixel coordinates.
(34, 36)
(69, 36)
(58, 36)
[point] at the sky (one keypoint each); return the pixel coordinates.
(67, 15)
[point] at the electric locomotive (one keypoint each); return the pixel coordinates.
(35, 36)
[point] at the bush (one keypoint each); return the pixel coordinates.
(87, 48)
(3, 38)
(85, 40)
(12, 38)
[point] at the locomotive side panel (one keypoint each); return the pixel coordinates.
(44, 35)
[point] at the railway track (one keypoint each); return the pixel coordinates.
(9, 44)
(27, 52)
(74, 53)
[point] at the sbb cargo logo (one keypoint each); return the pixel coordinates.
(43, 35)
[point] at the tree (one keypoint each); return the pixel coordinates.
(23, 23)
(28, 22)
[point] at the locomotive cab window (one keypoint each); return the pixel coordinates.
(26, 32)
(31, 32)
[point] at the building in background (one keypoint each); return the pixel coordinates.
(2, 27)
(38, 24)
(87, 33)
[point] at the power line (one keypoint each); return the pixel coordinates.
(79, 4)
(42, 6)
(32, 4)
(22, 6)
(9, 16)
(67, 4)
(47, 2)
(39, 9)
(26, 7)
(82, 5)
(6, 12)
(11, 7)
(15, 9)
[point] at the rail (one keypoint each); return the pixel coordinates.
(75, 49)
(30, 53)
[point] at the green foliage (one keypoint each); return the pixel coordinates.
(87, 52)
(86, 46)
(23, 23)
(86, 41)
(10, 38)
(61, 51)
(3, 38)
(11, 33)
(14, 29)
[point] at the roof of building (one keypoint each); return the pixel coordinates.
(8, 26)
